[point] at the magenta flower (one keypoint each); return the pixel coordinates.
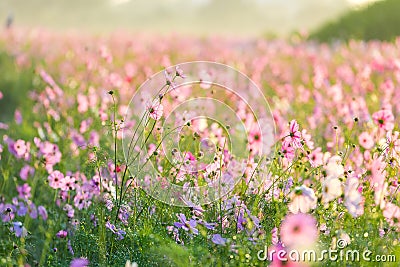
(62, 234)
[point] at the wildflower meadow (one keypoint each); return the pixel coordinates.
(136, 150)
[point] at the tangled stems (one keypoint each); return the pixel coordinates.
(132, 145)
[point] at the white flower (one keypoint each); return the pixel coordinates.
(303, 200)
(129, 264)
(353, 198)
(331, 189)
(334, 167)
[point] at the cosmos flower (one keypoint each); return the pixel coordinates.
(19, 229)
(365, 140)
(26, 172)
(384, 119)
(218, 239)
(187, 225)
(62, 234)
(79, 262)
(24, 191)
(331, 189)
(56, 179)
(299, 230)
(334, 168)
(155, 109)
(294, 135)
(303, 200)
(353, 199)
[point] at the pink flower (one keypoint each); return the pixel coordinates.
(24, 191)
(378, 173)
(384, 119)
(294, 135)
(288, 150)
(26, 171)
(316, 157)
(56, 179)
(366, 140)
(155, 109)
(299, 230)
(303, 200)
(255, 138)
(392, 214)
(68, 183)
(21, 149)
(18, 116)
(62, 234)
(42, 212)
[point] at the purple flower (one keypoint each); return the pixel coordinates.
(18, 116)
(71, 250)
(209, 226)
(187, 225)
(62, 234)
(33, 212)
(26, 171)
(70, 210)
(119, 232)
(42, 212)
(19, 229)
(218, 240)
(79, 262)
(241, 221)
(24, 191)
(22, 209)
(7, 212)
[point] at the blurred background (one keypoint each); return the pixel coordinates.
(269, 18)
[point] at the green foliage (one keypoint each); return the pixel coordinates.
(378, 21)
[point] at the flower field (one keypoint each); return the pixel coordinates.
(115, 152)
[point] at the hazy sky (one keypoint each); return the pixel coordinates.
(196, 17)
